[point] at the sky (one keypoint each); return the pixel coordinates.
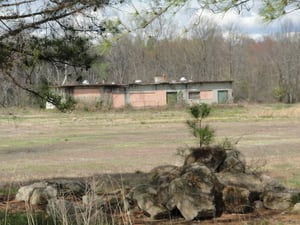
(252, 24)
(246, 23)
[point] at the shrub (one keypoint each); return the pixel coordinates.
(204, 134)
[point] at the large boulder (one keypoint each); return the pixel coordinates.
(241, 191)
(160, 178)
(36, 193)
(276, 196)
(162, 175)
(277, 200)
(40, 196)
(40, 192)
(194, 193)
(145, 198)
(248, 181)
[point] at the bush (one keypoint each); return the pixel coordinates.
(62, 105)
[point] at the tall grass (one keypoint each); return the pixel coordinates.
(79, 126)
(99, 209)
(26, 218)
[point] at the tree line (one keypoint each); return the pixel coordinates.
(65, 51)
(265, 70)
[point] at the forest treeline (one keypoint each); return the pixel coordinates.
(264, 70)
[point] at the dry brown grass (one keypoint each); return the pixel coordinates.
(41, 145)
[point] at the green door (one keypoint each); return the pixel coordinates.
(222, 97)
(171, 98)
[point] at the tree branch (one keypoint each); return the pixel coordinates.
(30, 90)
(22, 87)
(17, 3)
(43, 12)
(42, 21)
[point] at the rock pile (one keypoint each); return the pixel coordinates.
(211, 181)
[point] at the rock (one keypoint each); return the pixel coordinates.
(296, 208)
(212, 157)
(193, 194)
(234, 162)
(70, 187)
(276, 196)
(40, 192)
(203, 175)
(273, 185)
(190, 201)
(25, 192)
(243, 180)
(241, 191)
(40, 196)
(258, 204)
(51, 191)
(160, 178)
(277, 200)
(145, 197)
(162, 175)
(36, 193)
(236, 200)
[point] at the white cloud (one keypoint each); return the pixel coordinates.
(249, 22)
(246, 23)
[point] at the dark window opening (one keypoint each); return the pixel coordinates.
(194, 95)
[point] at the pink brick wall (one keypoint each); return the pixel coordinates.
(206, 95)
(86, 92)
(87, 95)
(118, 100)
(148, 99)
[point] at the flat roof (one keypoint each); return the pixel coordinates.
(141, 84)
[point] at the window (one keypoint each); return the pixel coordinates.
(194, 95)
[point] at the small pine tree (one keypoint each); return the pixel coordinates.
(204, 134)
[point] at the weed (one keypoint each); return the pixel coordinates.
(7, 218)
(295, 180)
(257, 166)
(227, 144)
(183, 152)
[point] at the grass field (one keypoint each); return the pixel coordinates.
(47, 144)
